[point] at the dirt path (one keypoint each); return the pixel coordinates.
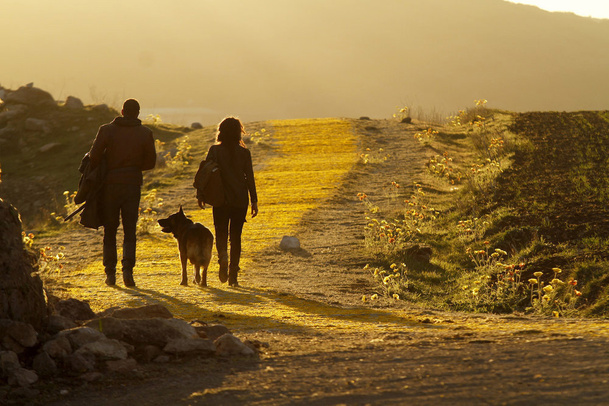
(321, 343)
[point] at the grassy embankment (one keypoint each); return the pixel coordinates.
(515, 209)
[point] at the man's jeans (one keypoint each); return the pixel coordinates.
(120, 201)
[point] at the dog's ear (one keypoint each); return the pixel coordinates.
(181, 211)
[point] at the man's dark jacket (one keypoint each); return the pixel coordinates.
(128, 148)
(120, 152)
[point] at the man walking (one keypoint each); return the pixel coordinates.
(128, 149)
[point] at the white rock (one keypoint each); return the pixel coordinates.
(289, 243)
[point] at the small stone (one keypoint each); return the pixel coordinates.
(228, 344)
(289, 243)
(162, 359)
(48, 147)
(196, 126)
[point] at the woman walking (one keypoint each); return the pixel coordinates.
(235, 163)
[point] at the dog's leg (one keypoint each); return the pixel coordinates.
(201, 275)
(197, 279)
(184, 274)
(204, 275)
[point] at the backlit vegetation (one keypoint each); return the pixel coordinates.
(520, 218)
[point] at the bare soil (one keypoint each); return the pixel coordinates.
(433, 358)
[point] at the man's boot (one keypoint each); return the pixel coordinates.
(223, 262)
(110, 276)
(232, 276)
(128, 277)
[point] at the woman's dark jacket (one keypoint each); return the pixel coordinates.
(235, 164)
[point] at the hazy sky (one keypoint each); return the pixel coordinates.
(586, 8)
(269, 59)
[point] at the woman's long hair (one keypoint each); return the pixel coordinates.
(230, 132)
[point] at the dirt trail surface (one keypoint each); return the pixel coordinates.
(320, 343)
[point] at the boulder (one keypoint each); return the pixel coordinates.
(22, 377)
(11, 113)
(73, 103)
(23, 333)
(196, 126)
(228, 345)
(58, 348)
(9, 343)
(289, 243)
(21, 295)
(35, 124)
(79, 336)
(105, 349)
(44, 365)
(156, 331)
(143, 312)
(9, 362)
(147, 353)
(183, 346)
(31, 96)
(80, 362)
(109, 326)
(74, 309)
(58, 323)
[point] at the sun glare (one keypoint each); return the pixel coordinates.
(585, 8)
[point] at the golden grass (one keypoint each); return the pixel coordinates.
(310, 160)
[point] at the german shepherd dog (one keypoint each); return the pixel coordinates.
(195, 243)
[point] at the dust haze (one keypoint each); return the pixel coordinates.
(275, 59)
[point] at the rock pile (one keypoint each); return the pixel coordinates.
(66, 338)
(117, 340)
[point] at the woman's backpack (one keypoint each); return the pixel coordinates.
(208, 182)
